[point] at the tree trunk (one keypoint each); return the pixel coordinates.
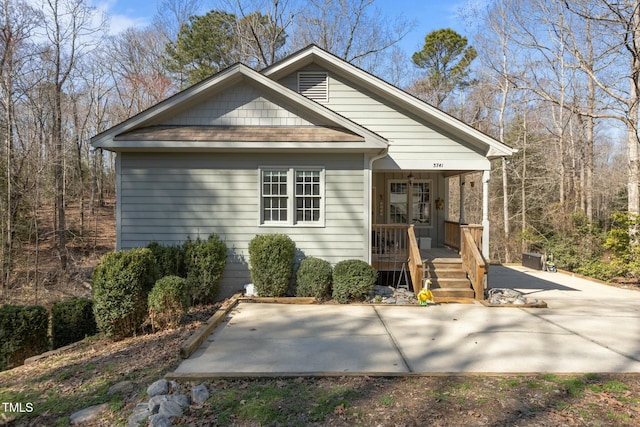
(58, 176)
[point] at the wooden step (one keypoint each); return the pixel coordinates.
(448, 273)
(450, 283)
(442, 293)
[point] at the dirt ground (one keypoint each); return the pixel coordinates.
(36, 277)
(79, 377)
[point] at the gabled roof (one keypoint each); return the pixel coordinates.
(316, 55)
(124, 136)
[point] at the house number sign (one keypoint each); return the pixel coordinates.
(438, 165)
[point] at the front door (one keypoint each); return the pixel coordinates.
(409, 202)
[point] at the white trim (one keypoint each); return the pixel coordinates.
(291, 198)
(486, 176)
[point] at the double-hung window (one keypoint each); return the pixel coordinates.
(275, 200)
(292, 196)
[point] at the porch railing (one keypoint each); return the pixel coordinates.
(453, 235)
(416, 266)
(473, 262)
(389, 239)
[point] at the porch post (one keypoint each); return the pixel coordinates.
(486, 175)
(462, 219)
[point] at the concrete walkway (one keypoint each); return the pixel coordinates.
(587, 327)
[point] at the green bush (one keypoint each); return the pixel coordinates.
(313, 278)
(170, 259)
(72, 321)
(204, 263)
(271, 258)
(23, 333)
(353, 279)
(121, 284)
(169, 300)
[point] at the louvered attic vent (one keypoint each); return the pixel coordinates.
(314, 85)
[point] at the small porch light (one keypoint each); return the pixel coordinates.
(410, 178)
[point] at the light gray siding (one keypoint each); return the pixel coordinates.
(413, 143)
(171, 197)
(241, 105)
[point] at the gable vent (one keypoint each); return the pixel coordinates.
(314, 85)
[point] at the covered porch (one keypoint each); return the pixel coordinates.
(416, 233)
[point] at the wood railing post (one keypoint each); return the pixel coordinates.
(472, 260)
(416, 267)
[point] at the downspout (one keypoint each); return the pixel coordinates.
(368, 217)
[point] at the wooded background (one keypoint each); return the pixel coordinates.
(558, 80)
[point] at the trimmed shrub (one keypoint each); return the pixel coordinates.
(72, 321)
(353, 279)
(313, 278)
(204, 262)
(121, 284)
(24, 332)
(271, 258)
(169, 300)
(170, 259)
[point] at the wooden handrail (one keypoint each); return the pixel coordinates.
(416, 267)
(472, 260)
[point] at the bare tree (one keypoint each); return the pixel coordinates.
(18, 21)
(171, 15)
(71, 30)
(261, 29)
(354, 30)
(134, 58)
(618, 25)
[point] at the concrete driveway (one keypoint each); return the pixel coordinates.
(587, 327)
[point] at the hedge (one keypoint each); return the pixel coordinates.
(72, 320)
(313, 278)
(170, 259)
(204, 262)
(121, 284)
(271, 258)
(353, 280)
(169, 300)
(23, 333)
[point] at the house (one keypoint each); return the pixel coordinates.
(311, 146)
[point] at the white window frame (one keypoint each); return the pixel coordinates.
(291, 220)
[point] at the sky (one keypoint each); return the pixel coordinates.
(429, 15)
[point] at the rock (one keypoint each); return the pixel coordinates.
(158, 420)
(158, 387)
(87, 414)
(123, 387)
(199, 393)
(139, 414)
(383, 291)
(155, 401)
(390, 300)
(174, 385)
(181, 399)
(170, 409)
